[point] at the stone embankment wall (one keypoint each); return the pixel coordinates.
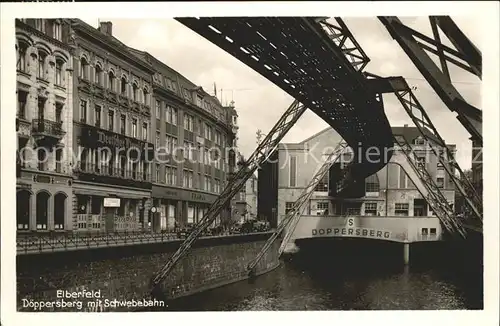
(124, 273)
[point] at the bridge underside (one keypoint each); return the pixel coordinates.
(296, 54)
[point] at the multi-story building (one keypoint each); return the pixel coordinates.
(194, 133)
(389, 192)
(130, 144)
(112, 132)
(44, 125)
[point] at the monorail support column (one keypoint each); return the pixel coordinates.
(406, 253)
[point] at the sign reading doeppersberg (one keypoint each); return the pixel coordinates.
(352, 232)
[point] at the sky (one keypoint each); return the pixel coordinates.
(260, 103)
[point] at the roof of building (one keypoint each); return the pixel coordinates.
(409, 133)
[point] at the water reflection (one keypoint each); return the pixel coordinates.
(366, 283)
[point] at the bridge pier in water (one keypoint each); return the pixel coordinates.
(406, 253)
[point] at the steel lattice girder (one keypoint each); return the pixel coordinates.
(468, 115)
(259, 156)
(292, 217)
(435, 198)
(412, 106)
(300, 57)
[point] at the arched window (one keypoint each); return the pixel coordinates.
(42, 210)
(111, 81)
(59, 211)
(98, 75)
(23, 201)
(41, 64)
(372, 183)
(135, 92)
(124, 86)
(84, 65)
(146, 96)
(59, 72)
(21, 60)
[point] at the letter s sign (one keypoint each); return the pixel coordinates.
(350, 222)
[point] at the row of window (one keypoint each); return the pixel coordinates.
(205, 182)
(123, 127)
(43, 69)
(50, 27)
(122, 86)
(199, 101)
(202, 129)
(370, 209)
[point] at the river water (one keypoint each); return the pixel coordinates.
(336, 275)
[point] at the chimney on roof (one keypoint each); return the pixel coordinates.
(106, 28)
(406, 126)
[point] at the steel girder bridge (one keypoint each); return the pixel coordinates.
(320, 64)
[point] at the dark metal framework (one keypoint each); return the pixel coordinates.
(259, 156)
(292, 217)
(434, 196)
(417, 113)
(302, 58)
(467, 57)
(342, 37)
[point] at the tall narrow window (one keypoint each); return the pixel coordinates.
(21, 62)
(293, 171)
(98, 75)
(135, 92)
(83, 111)
(123, 120)
(59, 108)
(124, 86)
(111, 81)
(111, 120)
(21, 104)
(97, 118)
(134, 128)
(59, 65)
(41, 65)
(56, 31)
(145, 131)
(83, 68)
(158, 109)
(146, 96)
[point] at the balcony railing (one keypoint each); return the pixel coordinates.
(29, 243)
(48, 127)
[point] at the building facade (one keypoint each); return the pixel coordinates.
(113, 139)
(389, 192)
(194, 134)
(112, 131)
(44, 125)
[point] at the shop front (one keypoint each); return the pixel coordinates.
(177, 208)
(106, 208)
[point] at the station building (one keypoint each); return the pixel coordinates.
(44, 125)
(389, 192)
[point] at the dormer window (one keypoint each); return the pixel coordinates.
(419, 141)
